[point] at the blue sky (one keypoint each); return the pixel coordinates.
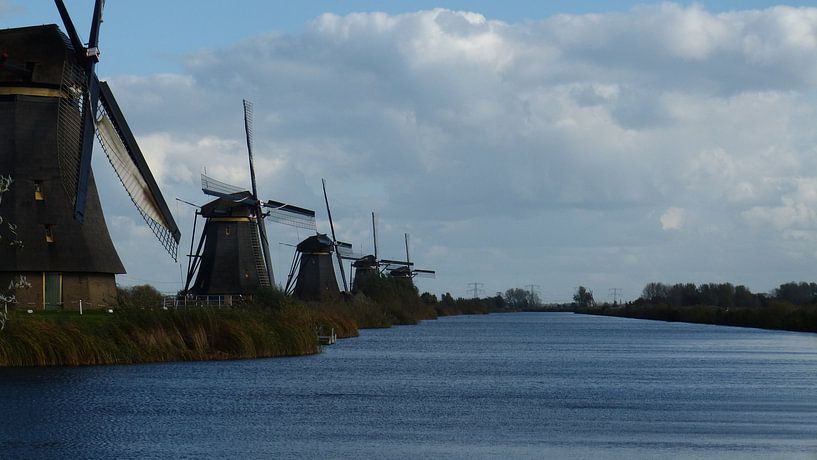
(624, 143)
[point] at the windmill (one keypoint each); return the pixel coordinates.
(233, 257)
(404, 269)
(312, 273)
(53, 236)
(368, 265)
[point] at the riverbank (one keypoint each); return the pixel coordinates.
(779, 316)
(271, 325)
(140, 336)
(132, 336)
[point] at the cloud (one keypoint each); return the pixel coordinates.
(546, 149)
(672, 219)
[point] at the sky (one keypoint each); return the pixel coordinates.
(554, 144)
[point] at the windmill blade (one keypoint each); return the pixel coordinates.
(262, 233)
(408, 259)
(395, 263)
(262, 229)
(214, 187)
(89, 57)
(417, 273)
(334, 239)
(127, 160)
(374, 235)
(346, 252)
(92, 52)
(248, 130)
(70, 29)
(288, 214)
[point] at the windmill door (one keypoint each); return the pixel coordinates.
(52, 285)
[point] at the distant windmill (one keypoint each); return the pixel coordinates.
(405, 270)
(53, 236)
(233, 257)
(366, 266)
(369, 265)
(312, 273)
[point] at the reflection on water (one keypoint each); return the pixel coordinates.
(522, 385)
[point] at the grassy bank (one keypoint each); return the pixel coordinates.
(777, 315)
(272, 325)
(138, 336)
(154, 335)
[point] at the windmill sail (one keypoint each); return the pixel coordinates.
(288, 214)
(214, 187)
(424, 273)
(346, 252)
(276, 211)
(87, 57)
(388, 263)
(127, 160)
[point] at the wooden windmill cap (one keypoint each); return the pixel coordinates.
(43, 50)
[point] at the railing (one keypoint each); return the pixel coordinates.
(202, 301)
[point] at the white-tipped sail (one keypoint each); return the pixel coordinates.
(124, 155)
(126, 169)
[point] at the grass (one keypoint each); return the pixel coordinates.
(138, 336)
(274, 325)
(280, 327)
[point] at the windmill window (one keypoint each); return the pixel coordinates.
(38, 190)
(49, 233)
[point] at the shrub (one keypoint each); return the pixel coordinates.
(142, 296)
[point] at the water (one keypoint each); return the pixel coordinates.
(547, 385)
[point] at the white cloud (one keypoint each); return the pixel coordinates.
(534, 145)
(672, 219)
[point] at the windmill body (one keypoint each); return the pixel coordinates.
(365, 268)
(231, 261)
(51, 255)
(316, 272)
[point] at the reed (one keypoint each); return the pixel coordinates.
(138, 336)
(273, 325)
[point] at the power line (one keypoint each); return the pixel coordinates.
(615, 293)
(533, 288)
(475, 289)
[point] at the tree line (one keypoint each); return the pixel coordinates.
(726, 295)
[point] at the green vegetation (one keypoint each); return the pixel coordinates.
(448, 306)
(272, 324)
(792, 306)
(138, 336)
(390, 301)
